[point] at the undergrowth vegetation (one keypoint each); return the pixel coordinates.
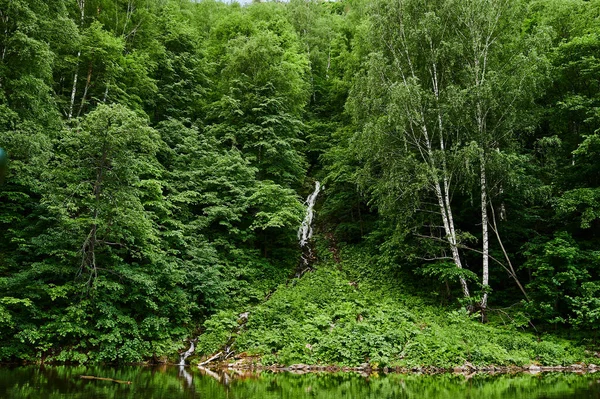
(331, 317)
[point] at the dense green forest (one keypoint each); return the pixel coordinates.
(160, 152)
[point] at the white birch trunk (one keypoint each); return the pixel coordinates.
(442, 194)
(484, 231)
(5, 20)
(81, 4)
(448, 222)
(445, 209)
(74, 89)
(444, 200)
(85, 90)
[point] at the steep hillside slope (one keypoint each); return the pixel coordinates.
(327, 317)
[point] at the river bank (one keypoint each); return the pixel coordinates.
(367, 370)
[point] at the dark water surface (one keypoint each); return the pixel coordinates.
(174, 382)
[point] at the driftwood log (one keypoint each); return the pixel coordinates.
(210, 360)
(91, 377)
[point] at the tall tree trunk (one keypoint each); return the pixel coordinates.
(450, 231)
(81, 4)
(74, 89)
(85, 90)
(5, 21)
(444, 200)
(443, 197)
(484, 232)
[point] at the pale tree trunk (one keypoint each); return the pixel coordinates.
(444, 200)
(450, 230)
(480, 71)
(482, 40)
(484, 232)
(503, 216)
(5, 21)
(448, 222)
(447, 213)
(85, 90)
(81, 4)
(74, 89)
(443, 197)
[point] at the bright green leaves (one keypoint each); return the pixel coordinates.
(262, 91)
(6, 303)
(121, 237)
(26, 58)
(174, 189)
(255, 115)
(101, 243)
(99, 181)
(219, 214)
(278, 207)
(327, 318)
(261, 63)
(565, 269)
(181, 67)
(575, 89)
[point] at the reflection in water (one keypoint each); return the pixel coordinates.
(180, 382)
(183, 373)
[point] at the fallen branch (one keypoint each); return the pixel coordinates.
(91, 377)
(512, 272)
(210, 360)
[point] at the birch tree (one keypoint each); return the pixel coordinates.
(440, 97)
(113, 62)
(401, 104)
(499, 71)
